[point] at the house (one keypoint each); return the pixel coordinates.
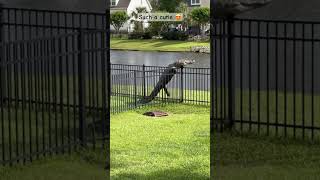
(129, 6)
(195, 4)
(198, 3)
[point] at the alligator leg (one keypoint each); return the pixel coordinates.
(166, 91)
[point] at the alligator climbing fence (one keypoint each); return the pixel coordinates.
(265, 77)
(131, 84)
(54, 89)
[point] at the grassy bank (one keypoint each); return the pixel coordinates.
(154, 45)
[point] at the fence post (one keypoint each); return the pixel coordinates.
(2, 68)
(144, 80)
(231, 69)
(81, 88)
(135, 87)
(181, 85)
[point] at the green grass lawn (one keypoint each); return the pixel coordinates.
(86, 165)
(173, 147)
(250, 157)
(154, 45)
(177, 147)
(273, 107)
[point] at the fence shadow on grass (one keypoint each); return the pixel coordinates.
(173, 174)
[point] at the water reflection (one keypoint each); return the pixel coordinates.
(157, 58)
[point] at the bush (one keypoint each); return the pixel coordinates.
(135, 35)
(140, 35)
(147, 35)
(175, 35)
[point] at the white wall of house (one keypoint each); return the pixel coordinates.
(134, 4)
(128, 27)
(205, 3)
(138, 3)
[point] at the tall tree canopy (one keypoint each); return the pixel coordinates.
(169, 5)
(117, 19)
(138, 25)
(201, 16)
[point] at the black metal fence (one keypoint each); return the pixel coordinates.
(265, 77)
(54, 91)
(132, 83)
(54, 96)
(23, 24)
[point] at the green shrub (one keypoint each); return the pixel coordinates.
(147, 35)
(140, 35)
(135, 35)
(175, 35)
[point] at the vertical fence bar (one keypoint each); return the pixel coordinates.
(104, 88)
(2, 72)
(144, 80)
(312, 83)
(2, 86)
(285, 80)
(294, 80)
(231, 68)
(181, 85)
(108, 80)
(81, 86)
(303, 64)
(135, 87)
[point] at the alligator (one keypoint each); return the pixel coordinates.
(165, 79)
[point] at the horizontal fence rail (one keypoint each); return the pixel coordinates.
(24, 24)
(53, 95)
(265, 77)
(133, 83)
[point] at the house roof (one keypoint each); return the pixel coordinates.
(122, 4)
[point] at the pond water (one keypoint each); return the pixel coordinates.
(158, 58)
(194, 79)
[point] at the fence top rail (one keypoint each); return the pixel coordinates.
(274, 21)
(93, 31)
(162, 67)
(50, 26)
(53, 11)
(55, 37)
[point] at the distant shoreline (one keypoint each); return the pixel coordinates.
(155, 45)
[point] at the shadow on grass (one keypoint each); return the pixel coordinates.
(172, 174)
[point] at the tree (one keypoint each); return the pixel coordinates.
(154, 5)
(158, 27)
(184, 9)
(201, 16)
(138, 25)
(169, 5)
(118, 19)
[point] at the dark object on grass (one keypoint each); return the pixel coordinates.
(165, 78)
(156, 114)
(231, 8)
